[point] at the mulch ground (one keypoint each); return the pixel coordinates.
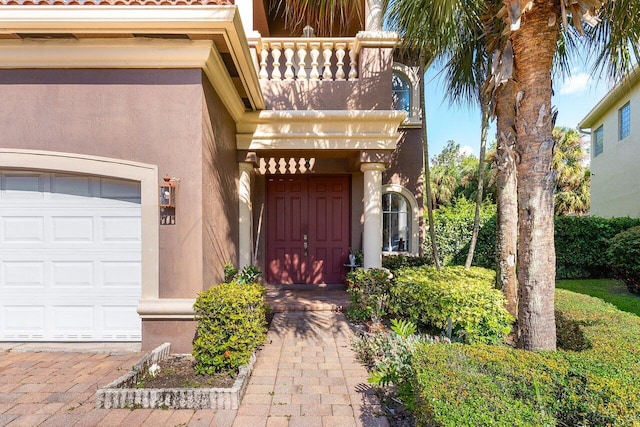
(177, 371)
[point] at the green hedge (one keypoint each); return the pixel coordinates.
(430, 298)
(624, 255)
(581, 245)
(471, 385)
(231, 324)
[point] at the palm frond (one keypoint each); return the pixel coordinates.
(325, 16)
(613, 43)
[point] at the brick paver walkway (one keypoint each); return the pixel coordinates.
(305, 375)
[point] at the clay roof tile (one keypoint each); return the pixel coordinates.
(114, 2)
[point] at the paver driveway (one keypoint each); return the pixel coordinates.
(305, 375)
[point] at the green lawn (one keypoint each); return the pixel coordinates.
(611, 291)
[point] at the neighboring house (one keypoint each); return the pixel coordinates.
(614, 124)
(285, 152)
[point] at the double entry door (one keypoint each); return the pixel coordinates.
(307, 229)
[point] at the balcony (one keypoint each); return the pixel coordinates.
(316, 73)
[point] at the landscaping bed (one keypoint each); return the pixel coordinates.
(128, 392)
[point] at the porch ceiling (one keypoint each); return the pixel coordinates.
(327, 133)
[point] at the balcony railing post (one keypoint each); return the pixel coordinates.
(302, 55)
(288, 54)
(275, 54)
(353, 64)
(340, 52)
(264, 54)
(315, 52)
(327, 53)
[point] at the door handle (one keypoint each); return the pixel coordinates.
(305, 245)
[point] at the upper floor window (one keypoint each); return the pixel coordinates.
(624, 121)
(401, 93)
(598, 141)
(406, 96)
(396, 223)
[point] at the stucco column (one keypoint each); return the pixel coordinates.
(372, 237)
(244, 214)
(374, 15)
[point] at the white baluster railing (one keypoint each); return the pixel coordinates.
(301, 59)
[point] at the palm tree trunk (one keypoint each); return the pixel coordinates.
(507, 195)
(427, 174)
(484, 107)
(534, 47)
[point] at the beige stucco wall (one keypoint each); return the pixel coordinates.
(168, 118)
(406, 164)
(138, 115)
(615, 179)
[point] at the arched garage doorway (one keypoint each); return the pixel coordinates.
(71, 258)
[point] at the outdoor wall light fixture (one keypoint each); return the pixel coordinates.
(168, 201)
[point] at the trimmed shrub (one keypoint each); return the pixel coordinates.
(624, 256)
(581, 244)
(467, 297)
(231, 324)
(369, 293)
(396, 262)
(469, 385)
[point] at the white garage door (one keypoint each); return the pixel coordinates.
(70, 257)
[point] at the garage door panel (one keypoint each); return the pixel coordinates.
(22, 186)
(119, 190)
(120, 229)
(72, 229)
(73, 320)
(22, 274)
(71, 187)
(24, 321)
(119, 274)
(17, 229)
(72, 272)
(117, 321)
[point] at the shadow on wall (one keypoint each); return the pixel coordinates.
(220, 188)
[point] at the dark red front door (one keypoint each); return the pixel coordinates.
(307, 229)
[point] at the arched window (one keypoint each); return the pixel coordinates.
(396, 223)
(401, 93)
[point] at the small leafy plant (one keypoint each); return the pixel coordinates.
(248, 274)
(230, 272)
(389, 355)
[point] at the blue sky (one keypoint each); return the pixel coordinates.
(574, 98)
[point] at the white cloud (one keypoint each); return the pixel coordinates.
(466, 150)
(577, 83)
